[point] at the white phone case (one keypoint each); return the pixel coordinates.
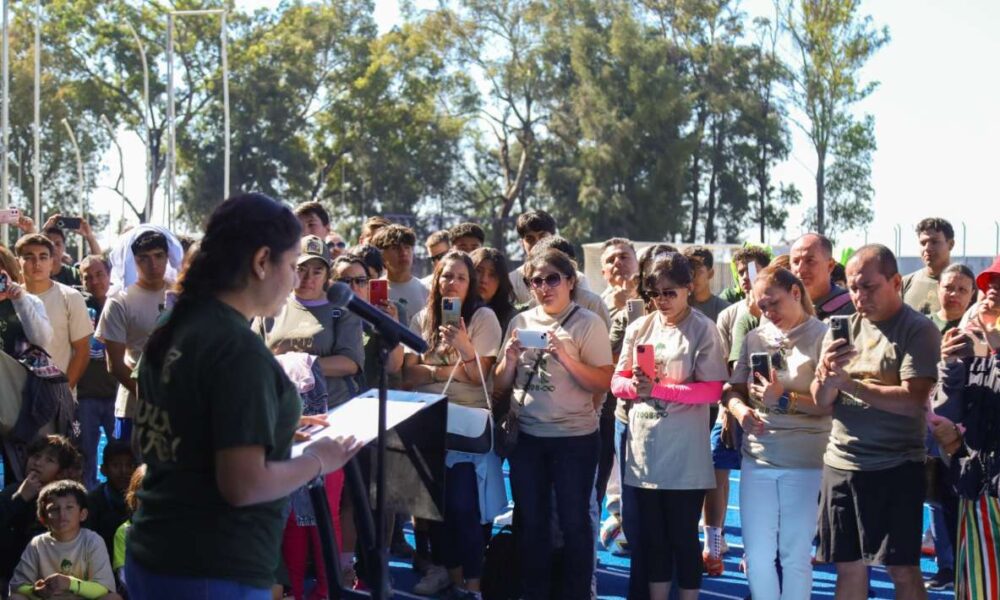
(531, 338)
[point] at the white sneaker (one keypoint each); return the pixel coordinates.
(433, 582)
(609, 531)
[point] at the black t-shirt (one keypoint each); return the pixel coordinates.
(68, 275)
(11, 330)
(217, 387)
(106, 511)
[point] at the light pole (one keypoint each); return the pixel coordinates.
(5, 119)
(171, 110)
(36, 163)
(148, 120)
(79, 181)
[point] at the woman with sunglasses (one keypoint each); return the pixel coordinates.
(494, 284)
(308, 323)
(553, 390)
(669, 462)
(454, 352)
(785, 435)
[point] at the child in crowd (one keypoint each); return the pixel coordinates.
(106, 503)
(68, 561)
(121, 535)
(49, 458)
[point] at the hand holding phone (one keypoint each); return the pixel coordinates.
(533, 338)
(760, 365)
(10, 216)
(378, 291)
(69, 223)
(645, 359)
(840, 328)
(4, 280)
(451, 311)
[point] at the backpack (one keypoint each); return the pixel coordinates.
(501, 578)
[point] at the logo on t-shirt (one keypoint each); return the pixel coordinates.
(66, 566)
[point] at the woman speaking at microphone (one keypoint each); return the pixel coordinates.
(216, 419)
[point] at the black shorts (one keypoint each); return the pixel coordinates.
(873, 516)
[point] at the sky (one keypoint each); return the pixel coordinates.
(936, 124)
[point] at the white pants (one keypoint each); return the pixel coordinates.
(778, 510)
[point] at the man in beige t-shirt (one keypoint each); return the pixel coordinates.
(873, 477)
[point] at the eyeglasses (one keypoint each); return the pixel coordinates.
(669, 294)
(358, 281)
(552, 280)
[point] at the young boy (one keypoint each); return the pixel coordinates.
(106, 503)
(68, 561)
(49, 458)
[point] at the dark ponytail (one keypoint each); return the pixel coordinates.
(237, 229)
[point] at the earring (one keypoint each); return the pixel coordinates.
(260, 273)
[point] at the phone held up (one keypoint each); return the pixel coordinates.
(4, 280)
(645, 359)
(760, 364)
(70, 223)
(451, 311)
(10, 216)
(840, 326)
(378, 291)
(533, 338)
(635, 309)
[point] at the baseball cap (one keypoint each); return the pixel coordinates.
(983, 280)
(313, 248)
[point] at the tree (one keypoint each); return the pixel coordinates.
(833, 42)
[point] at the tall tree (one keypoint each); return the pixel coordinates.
(832, 42)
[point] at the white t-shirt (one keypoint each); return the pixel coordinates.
(555, 405)
(486, 335)
(129, 317)
(410, 298)
(85, 557)
(67, 311)
(669, 446)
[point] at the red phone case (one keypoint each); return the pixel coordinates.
(378, 291)
(645, 359)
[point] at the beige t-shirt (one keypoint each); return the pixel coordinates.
(85, 557)
(864, 438)
(486, 335)
(67, 312)
(669, 441)
(555, 405)
(791, 440)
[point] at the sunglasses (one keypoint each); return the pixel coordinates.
(358, 281)
(338, 245)
(670, 294)
(438, 257)
(550, 281)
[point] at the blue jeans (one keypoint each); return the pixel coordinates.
(144, 585)
(460, 536)
(94, 413)
(638, 587)
(567, 465)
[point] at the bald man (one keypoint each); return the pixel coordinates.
(871, 499)
(812, 262)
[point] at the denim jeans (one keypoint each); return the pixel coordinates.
(144, 585)
(94, 413)
(567, 465)
(460, 536)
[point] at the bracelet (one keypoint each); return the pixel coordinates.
(318, 460)
(465, 362)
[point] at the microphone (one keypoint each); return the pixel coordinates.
(341, 296)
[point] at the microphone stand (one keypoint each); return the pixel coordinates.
(374, 550)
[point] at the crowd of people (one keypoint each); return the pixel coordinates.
(847, 396)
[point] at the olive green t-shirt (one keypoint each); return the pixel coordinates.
(218, 387)
(863, 438)
(791, 439)
(920, 292)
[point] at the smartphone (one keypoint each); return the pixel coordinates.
(10, 216)
(645, 359)
(635, 309)
(378, 291)
(3, 282)
(311, 429)
(451, 311)
(752, 271)
(840, 326)
(533, 338)
(760, 364)
(70, 223)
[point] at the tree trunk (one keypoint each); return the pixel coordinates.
(821, 193)
(713, 183)
(696, 176)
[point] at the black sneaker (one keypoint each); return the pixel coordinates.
(942, 581)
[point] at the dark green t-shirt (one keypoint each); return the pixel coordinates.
(218, 387)
(68, 275)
